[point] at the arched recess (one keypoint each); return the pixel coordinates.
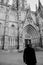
(29, 32)
(10, 39)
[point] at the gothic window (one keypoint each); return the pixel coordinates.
(12, 25)
(14, 4)
(29, 18)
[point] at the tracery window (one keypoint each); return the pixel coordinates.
(13, 3)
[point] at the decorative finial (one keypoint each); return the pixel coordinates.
(29, 7)
(36, 7)
(39, 3)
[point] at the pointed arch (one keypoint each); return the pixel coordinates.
(29, 31)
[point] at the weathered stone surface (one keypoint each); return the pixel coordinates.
(22, 15)
(21, 23)
(13, 16)
(2, 12)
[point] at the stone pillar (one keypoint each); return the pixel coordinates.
(6, 45)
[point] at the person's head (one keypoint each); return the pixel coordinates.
(28, 45)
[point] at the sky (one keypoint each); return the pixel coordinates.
(32, 3)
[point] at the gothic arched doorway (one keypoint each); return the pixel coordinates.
(30, 34)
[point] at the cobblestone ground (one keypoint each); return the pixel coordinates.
(15, 58)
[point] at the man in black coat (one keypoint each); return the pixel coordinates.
(29, 57)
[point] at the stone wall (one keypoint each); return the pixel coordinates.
(13, 22)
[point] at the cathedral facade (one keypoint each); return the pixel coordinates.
(18, 24)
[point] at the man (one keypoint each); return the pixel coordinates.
(29, 57)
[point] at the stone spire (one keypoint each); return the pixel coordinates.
(36, 7)
(28, 8)
(36, 10)
(39, 2)
(23, 4)
(39, 5)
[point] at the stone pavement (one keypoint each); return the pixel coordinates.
(15, 58)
